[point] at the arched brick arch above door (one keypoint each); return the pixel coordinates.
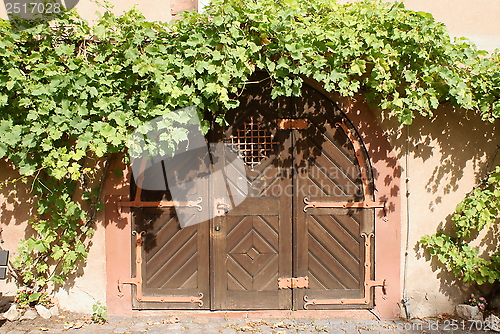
(239, 279)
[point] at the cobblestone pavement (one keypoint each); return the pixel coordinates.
(217, 325)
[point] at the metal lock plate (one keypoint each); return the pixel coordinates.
(293, 283)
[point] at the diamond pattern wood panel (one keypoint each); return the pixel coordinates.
(253, 255)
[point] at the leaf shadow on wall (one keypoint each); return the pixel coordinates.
(461, 141)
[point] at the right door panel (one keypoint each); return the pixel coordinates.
(329, 241)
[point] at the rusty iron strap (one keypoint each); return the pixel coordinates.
(137, 203)
(341, 205)
(162, 204)
(293, 124)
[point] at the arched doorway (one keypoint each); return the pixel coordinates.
(293, 229)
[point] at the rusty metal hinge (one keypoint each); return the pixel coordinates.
(293, 283)
(292, 124)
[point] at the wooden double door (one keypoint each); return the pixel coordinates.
(287, 215)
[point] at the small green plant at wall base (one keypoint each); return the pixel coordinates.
(480, 302)
(99, 313)
(27, 298)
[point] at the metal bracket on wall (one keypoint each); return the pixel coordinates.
(137, 281)
(368, 283)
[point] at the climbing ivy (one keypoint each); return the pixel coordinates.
(71, 93)
(479, 210)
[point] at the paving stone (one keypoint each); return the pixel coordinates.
(336, 324)
(191, 331)
(139, 327)
(13, 313)
(191, 325)
(208, 325)
(320, 326)
(54, 311)
(363, 331)
(30, 314)
(267, 331)
(43, 311)
(336, 331)
(173, 327)
(347, 327)
(107, 326)
(53, 331)
(230, 331)
(87, 331)
(351, 331)
(201, 320)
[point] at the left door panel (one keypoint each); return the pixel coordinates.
(173, 261)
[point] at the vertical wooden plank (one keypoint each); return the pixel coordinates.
(286, 207)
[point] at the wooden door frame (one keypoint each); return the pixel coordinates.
(387, 180)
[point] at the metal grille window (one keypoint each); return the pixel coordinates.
(253, 143)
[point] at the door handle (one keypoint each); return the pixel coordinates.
(221, 208)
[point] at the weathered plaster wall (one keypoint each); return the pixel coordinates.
(80, 292)
(15, 211)
(154, 10)
(442, 160)
(474, 19)
(90, 287)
